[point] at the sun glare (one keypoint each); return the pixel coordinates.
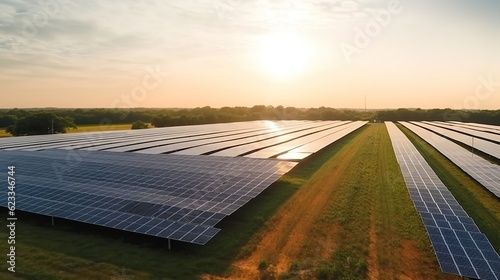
(271, 125)
(283, 55)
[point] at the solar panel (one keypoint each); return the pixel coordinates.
(477, 128)
(96, 141)
(146, 141)
(161, 147)
(292, 144)
(259, 139)
(459, 245)
(320, 143)
(471, 132)
(59, 140)
(170, 196)
(486, 173)
(230, 140)
(195, 133)
(480, 126)
(254, 146)
(274, 132)
(487, 147)
(93, 139)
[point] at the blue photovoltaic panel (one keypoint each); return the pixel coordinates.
(264, 143)
(286, 146)
(227, 140)
(273, 133)
(122, 135)
(110, 139)
(100, 141)
(170, 196)
(459, 245)
(485, 172)
(258, 139)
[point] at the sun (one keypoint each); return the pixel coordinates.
(283, 55)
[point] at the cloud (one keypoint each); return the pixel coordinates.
(94, 28)
(67, 35)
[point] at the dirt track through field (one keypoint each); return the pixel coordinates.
(373, 269)
(288, 230)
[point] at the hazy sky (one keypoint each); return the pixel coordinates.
(428, 54)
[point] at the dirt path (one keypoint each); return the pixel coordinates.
(373, 269)
(284, 238)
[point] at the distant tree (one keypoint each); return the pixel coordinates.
(258, 108)
(159, 117)
(7, 120)
(11, 129)
(41, 123)
(139, 125)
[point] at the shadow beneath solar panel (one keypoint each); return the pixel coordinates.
(150, 254)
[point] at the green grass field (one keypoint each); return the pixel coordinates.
(369, 223)
(3, 133)
(97, 127)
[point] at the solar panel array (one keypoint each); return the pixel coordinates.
(257, 139)
(479, 126)
(307, 148)
(460, 247)
(484, 146)
(110, 139)
(468, 131)
(486, 173)
(272, 147)
(170, 196)
(160, 181)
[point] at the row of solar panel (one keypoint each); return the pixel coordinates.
(485, 146)
(486, 173)
(478, 126)
(460, 247)
(180, 131)
(151, 137)
(469, 131)
(253, 139)
(311, 147)
(177, 191)
(182, 196)
(97, 189)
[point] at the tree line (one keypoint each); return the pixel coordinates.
(477, 116)
(43, 121)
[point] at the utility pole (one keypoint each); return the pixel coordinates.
(52, 126)
(365, 103)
